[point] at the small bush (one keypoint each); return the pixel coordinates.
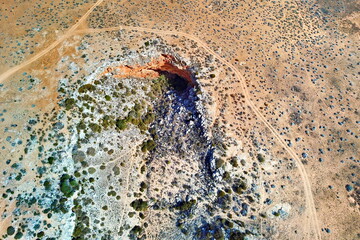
(239, 188)
(51, 160)
(143, 186)
(148, 118)
(148, 145)
(184, 205)
(95, 128)
(237, 235)
(69, 103)
(87, 87)
(260, 158)
(219, 163)
(91, 151)
(221, 193)
(81, 125)
(47, 185)
(68, 185)
(10, 230)
(139, 205)
(136, 230)
(92, 170)
(234, 162)
(107, 121)
(121, 124)
(18, 235)
(116, 170)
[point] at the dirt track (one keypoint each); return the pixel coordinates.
(313, 224)
(310, 205)
(68, 33)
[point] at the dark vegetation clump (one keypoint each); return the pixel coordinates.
(148, 145)
(18, 235)
(260, 158)
(86, 87)
(136, 230)
(239, 188)
(139, 205)
(82, 222)
(234, 162)
(209, 231)
(69, 103)
(95, 127)
(185, 205)
(121, 124)
(107, 121)
(10, 230)
(219, 163)
(237, 235)
(68, 185)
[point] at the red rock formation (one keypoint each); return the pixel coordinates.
(165, 63)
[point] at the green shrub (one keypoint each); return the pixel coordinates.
(69, 103)
(10, 230)
(185, 205)
(142, 126)
(95, 128)
(239, 188)
(263, 215)
(107, 121)
(81, 125)
(91, 151)
(219, 163)
(68, 185)
(91, 170)
(136, 230)
(143, 186)
(226, 176)
(218, 234)
(276, 214)
(148, 145)
(237, 235)
(116, 170)
(234, 162)
(160, 84)
(148, 118)
(87, 87)
(221, 193)
(121, 124)
(87, 98)
(260, 158)
(47, 185)
(139, 205)
(18, 235)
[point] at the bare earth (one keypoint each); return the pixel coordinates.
(278, 79)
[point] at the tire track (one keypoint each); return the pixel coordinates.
(309, 199)
(68, 33)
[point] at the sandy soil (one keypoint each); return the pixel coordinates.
(288, 71)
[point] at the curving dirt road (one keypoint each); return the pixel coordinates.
(68, 33)
(310, 205)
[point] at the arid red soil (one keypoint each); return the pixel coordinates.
(165, 63)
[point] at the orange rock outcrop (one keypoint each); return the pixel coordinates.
(165, 63)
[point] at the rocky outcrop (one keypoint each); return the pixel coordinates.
(153, 69)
